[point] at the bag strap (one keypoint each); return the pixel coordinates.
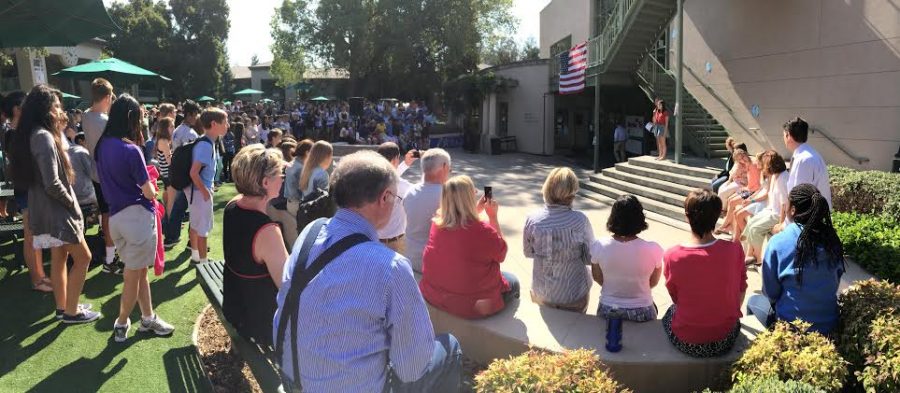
(314, 229)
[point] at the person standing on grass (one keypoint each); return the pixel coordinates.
(40, 163)
(94, 122)
(203, 170)
(131, 196)
(34, 258)
(178, 202)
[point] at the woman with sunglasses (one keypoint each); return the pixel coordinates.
(253, 244)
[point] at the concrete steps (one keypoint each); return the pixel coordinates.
(661, 186)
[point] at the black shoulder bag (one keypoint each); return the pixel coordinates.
(300, 279)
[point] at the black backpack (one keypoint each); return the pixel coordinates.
(182, 160)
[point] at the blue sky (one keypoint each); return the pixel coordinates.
(250, 26)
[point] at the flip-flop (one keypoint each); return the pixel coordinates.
(42, 287)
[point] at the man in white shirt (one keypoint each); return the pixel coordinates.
(422, 201)
(392, 234)
(807, 165)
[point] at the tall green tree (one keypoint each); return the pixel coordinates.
(393, 47)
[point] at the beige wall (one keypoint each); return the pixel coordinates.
(561, 18)
(835, 63)
(530, 116)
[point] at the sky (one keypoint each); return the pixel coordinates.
(249, 33)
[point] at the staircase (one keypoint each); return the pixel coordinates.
(704, 136)
(661, 186)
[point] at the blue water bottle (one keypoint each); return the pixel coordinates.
(614, 332)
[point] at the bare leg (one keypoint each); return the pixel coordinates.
(82, 257)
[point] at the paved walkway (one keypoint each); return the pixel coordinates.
(517, 179)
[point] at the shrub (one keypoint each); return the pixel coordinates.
(772, 385)
(865, 191)
(871, 241)
(789, 352)
(860, 305)
(533, 371)
(882, 370)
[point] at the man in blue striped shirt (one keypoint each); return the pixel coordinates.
(363, 325)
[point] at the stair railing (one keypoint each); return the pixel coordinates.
(600, 46)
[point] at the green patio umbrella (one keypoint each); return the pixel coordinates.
(112, 69)
(247, 92)
(205, 99)
(37, 23)
(320, 98)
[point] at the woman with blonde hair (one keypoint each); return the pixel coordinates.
(558, 239)
(461, 262)
(254, 249)
(314, 175)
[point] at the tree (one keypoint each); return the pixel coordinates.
(399, 48)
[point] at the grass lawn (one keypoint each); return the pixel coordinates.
(39, 354)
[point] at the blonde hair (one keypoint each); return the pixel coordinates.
(560, 187)
(320, 152)
(458, 205)
(253, 164)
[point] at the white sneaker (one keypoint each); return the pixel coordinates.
(156, 325)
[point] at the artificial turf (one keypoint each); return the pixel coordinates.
(39, 354)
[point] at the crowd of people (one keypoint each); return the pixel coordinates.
(362, 323)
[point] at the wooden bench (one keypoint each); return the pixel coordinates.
(261, 360)
(506, 142)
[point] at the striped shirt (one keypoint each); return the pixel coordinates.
(362, 313)
(558, 239)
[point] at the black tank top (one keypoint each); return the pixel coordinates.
(248, 290)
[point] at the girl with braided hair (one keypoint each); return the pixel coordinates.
(802, 266)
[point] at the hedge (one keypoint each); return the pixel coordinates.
(572, 371)
(871, 241)
(874, 192)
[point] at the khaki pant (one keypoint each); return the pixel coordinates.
(398, 245)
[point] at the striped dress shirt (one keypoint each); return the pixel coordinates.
(558, 239)
(360, 318)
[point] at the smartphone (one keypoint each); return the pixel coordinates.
(488, 192)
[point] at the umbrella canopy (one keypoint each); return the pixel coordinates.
(70, 96)
(205, 99)
(39, 23)
(247, 92)
(112, 69)
(320, 98)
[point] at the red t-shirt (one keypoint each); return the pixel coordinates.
(705, 283)
(461, 266)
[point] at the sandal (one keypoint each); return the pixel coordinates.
(42, 287)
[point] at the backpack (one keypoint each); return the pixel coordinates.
(182, 160)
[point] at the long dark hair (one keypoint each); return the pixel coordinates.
(812, 212)
(36, 115)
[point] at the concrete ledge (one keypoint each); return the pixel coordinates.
(647, 362)
(343, 149)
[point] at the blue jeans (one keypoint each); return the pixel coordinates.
(513, 292)
(444, 372)
(172, 229)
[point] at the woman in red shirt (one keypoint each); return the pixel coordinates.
(660, 127)
(461, 262)
(706, 279)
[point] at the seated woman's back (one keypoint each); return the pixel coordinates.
(248, 289)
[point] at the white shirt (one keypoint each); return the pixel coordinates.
(626, 270)
(420, 204)
(397, 225)
(778, 193)
(807, 166)
(183, 135)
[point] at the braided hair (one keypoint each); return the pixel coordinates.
(811, 211)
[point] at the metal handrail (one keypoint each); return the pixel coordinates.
(859, 159)
(599, 46)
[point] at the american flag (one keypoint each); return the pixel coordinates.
(572, 66)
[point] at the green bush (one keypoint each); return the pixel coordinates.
(772, 385)
(871, 241)
(860, 305)
(882, 370)
(865, 191)
(789, 352)
(533, 371)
